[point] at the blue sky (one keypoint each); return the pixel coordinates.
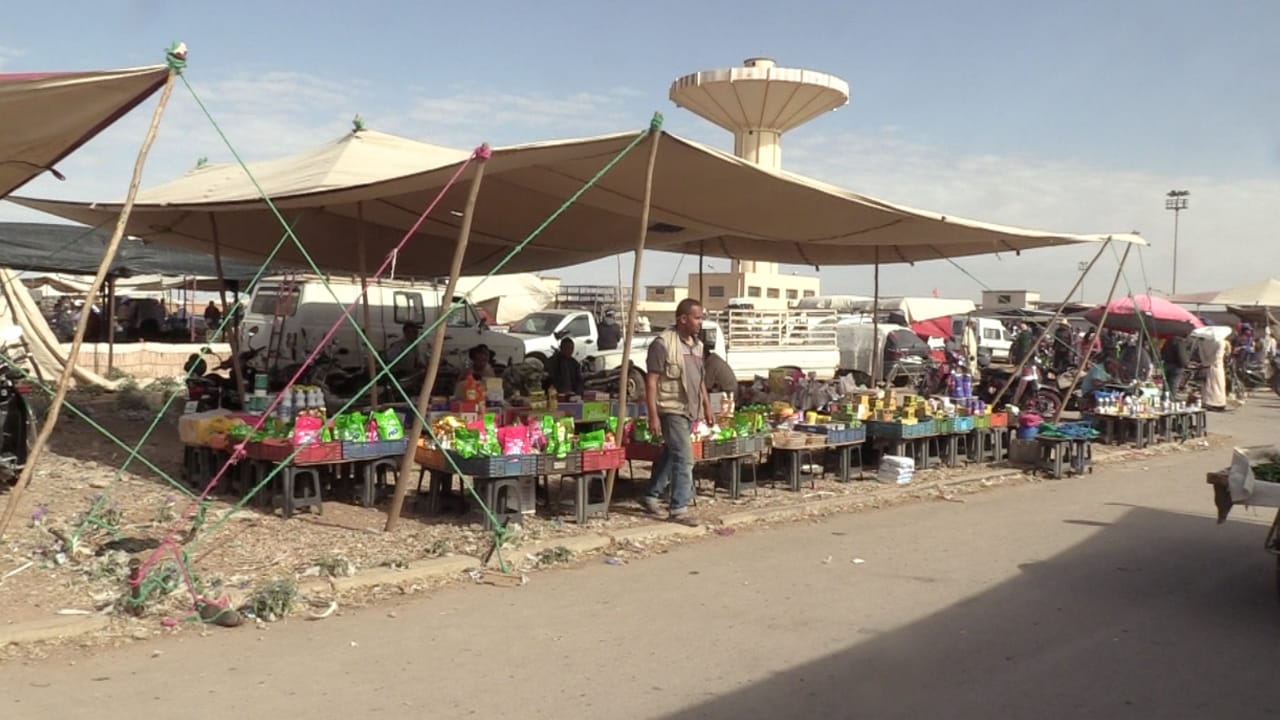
(1068, 116)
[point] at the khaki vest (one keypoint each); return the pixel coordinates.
(672, 398)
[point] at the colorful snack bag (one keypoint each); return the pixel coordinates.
(389, 425)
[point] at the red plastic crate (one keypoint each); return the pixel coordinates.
(277, 451)
(999, 420)
(599, 460)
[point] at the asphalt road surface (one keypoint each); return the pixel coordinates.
(1110, 596)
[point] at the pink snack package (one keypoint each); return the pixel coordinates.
(306, 430)
(514, 440)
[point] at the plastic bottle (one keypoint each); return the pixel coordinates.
(284, 410)
(315, 401)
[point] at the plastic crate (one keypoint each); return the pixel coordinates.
(376, 449)
(847, 436)
(999, 420)
(900, 431)
(599, 460)
(496, 467)
(964, 424)
(647, 452)
(946, 426)
(981, 422)
(733, 447)
(570, 464)
(313, 454)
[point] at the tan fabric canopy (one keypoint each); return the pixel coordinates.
(703, 199)
(1264, 293)
(47, 115)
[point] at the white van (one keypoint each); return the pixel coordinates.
(992, 336)
(310, 310)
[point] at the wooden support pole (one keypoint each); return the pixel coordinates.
(111, 324)
(1049, 325)
(1102, 322)
(437, 342)
(876, 350)
(628, 335)
(362, 261)
(73, 355)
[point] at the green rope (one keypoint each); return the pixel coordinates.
(134, 452)
(500, 531)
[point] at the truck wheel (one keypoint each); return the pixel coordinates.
(539, 357)
(635, 384)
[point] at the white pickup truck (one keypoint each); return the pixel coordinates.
(757, 342)
(542, 331)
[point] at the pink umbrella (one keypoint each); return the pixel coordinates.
(1143, 313)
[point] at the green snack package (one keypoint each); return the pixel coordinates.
(490, 447)
(611, 425)
(354, 429)
(389, 427)
(240, 432)
(466, 443)
(593, 440)
(640, 431)
(564, 435)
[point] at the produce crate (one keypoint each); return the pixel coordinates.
(846, 436)
(946, 426)
(496, 467)
(313, 454)
(599, 460)
(795, 440)
(964, 424)
(732, 447)
(999, 420)
(648, 452)
(900, 431)
(981, 422)
(370, 450)
(570, 464)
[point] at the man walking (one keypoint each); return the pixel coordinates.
(676, 395)
(609, 334)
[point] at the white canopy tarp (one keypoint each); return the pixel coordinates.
(703, 200)
(135, 286)
(47, 115)
(46, 358)
(507, 297)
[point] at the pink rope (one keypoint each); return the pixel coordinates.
(482, 153)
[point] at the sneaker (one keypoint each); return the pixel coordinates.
(683, 517)
(650, 505)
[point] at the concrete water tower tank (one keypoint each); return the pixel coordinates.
(758, 102)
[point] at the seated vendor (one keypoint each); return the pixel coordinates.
(412, 361)
(719, 376)
(1100, 375)
(481, 369)
(564, 373)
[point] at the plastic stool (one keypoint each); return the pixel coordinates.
(305, 478)
(373, 474)
(498, 493)
(583, 508)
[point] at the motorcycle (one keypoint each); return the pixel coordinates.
(217, 388)
(1043, 400)
(1247, 374)
(17, 422)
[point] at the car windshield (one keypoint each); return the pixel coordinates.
(538, 324)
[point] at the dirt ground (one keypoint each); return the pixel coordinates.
(56, 563)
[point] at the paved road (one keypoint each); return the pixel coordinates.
(1109, 596)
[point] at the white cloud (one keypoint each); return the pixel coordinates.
(8, 55)
(1226, 235)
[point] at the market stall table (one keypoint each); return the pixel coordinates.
(794, 457)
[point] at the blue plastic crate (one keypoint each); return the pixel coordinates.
(846, 436)
(496, 467)
(371, 450)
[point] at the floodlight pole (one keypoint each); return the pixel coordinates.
(1176, 200)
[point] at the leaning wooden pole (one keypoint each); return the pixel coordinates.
(1048, 327)
(73, 355)
(437, 342)
(362, 263)
(1102, 323)
(628, 335)
(111, 325)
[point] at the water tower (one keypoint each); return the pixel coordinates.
(758, 102)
